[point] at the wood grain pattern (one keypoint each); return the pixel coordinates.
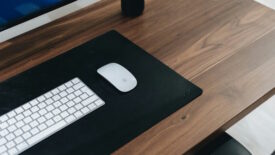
(224, 46)
(229, 88)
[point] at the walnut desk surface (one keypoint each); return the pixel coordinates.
(227, 47)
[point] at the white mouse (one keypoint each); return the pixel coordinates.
(118, 76)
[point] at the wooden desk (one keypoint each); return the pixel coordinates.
(227, 47)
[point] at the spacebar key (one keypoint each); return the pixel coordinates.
(47, 132)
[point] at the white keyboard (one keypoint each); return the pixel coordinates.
(45, 115)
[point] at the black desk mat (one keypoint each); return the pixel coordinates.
(159, 93)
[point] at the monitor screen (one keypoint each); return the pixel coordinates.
(13, 12)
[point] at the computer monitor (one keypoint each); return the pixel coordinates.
(20, 16)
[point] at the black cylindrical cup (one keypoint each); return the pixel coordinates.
(132, 8)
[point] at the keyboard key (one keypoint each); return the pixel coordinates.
(26, 128)
(87, 90)
(11, 114)
(34, 123)
(56, 97)
(42, 127)
(3, 133)
(57, 104)
(42, 112)
(99, 103)
(77, 100)
(78, 106)
(49, 115)
(10, 136)
(3, 118)
(63, 107)
(20, 124)
(48, 95)
(34, 109)
(50, 122)
(64, 93)
(12, 151)
(18, 132)
(19, 110)
(77, 93)
(3, 141)
(22, 146)
(56, 111)
(57, 118)
(62, 87)
(70, 119)
(26, 106)
(41, 119)
(12, 128)
(3, 149)
(85, 110)
(90, 100)
(35, 116)
(55, 91)
(75, 80)
(11, 121)
(27, 120)
(71, 110)
(78, 86)
(68, 84)
(64, 114)
(78, 114)
(49, 101)
(34, 131)
(41, 98)
(92, 107)
(19, 117)
(4, 125)
(70, 103)
(18, 140)
(70, 90)
(64, 100)
(71, 96)
(27, 135)
(27, 113)
(34, 102)
(42, 105)
(49, 131)
(84, 96)
(10, 144)
(50, 108)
